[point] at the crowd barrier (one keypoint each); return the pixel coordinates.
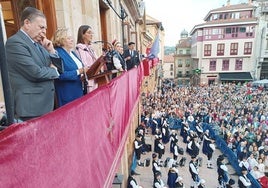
(221, 144)
(174, 123)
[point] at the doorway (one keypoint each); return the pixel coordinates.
(211, 81)
(12, 9)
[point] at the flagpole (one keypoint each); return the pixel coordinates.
(4, 75)
(154, 50)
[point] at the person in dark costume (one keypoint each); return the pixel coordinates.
(184, 131)
(145, 147)
(131, 56)
(158, 133)
(193, 147)
(176, 152)
(131, 182)
(193, 169)
(155, 165)
(158, 182)
(243, 181)
(208, 148)
(159, 147)
(138, 148)
(223, 175)
(172, 176)
(191, 134)
(173, 139)
(199, 130)
(165, 132)
(154, 125)
(118, 59)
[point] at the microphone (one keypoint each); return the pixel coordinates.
(85, 49)
(104, 42)
(109, 52)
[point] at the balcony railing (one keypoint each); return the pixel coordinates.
(91, 128)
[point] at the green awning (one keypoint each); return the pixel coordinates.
(235, 76)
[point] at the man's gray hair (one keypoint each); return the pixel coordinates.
(30, 13)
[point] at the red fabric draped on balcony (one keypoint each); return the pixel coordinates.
(155, 61)
(78, 145)
(147, 64)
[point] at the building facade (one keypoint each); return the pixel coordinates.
(261, 57)
(223, 47)
(183, 62)
(110, 19)
(155, 35)
(168, 66)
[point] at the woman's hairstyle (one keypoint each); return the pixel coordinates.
(59, 37)
(30, 13)
(81, 31)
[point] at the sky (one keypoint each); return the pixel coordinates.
(177, 15)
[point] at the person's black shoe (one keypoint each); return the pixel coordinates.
(141, 164)
(135, 173)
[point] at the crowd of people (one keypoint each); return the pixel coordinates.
(40, 69)
(236, 112)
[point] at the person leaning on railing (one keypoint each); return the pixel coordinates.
(118, 59)
(69, 85)
(131, 56)
(85, 51)
(30, 58)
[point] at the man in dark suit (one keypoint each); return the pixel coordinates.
(131, 56)
(31, 72)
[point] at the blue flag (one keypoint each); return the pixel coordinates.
(155, 48)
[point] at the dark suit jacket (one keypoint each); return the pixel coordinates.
(134, 61)
(30, 76)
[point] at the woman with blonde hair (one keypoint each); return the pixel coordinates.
(69, 85)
